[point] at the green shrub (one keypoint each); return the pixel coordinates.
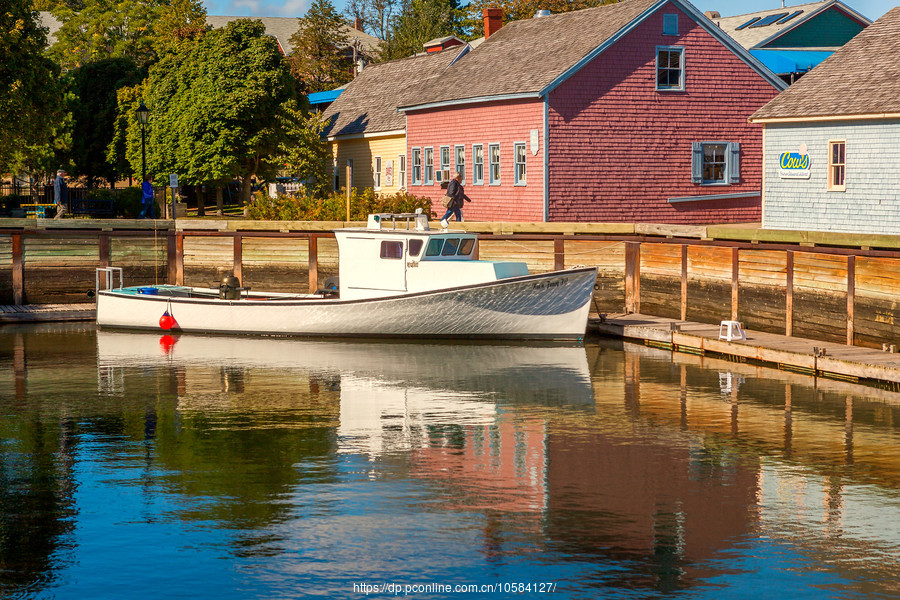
(126, 201)
(334, 207)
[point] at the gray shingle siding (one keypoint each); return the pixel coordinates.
(871, 202)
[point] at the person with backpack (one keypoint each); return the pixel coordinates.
(456, 194)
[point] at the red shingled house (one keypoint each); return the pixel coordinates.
(635, 111)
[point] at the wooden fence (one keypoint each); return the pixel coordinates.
(830, 293)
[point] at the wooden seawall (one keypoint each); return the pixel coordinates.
(830, 287)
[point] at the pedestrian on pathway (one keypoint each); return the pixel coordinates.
(457, 195)
(60, 194)
(147, 208)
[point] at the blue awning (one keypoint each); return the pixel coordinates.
(783, 62)
(320, 97)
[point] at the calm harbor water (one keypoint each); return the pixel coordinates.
(151, 466)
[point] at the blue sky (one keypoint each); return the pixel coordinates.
(872, 9)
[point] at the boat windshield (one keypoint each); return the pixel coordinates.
(450, 247)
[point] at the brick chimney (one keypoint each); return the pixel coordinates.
(493, 21)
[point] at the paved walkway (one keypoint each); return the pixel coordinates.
(813, 356)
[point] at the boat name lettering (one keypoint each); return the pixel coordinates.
(548, 285)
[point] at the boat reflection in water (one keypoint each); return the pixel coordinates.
(281, 465)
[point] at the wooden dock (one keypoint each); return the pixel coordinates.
(41, 313)
(825, 359)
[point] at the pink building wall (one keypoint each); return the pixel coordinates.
(490, 123)
(619, 148)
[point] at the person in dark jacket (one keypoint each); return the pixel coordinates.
(60, 194)
(147, 211)
(457, 195)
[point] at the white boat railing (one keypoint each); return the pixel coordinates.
(418, 219)
(109, 278)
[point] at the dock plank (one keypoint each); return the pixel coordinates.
(40, 313)
(822, 358)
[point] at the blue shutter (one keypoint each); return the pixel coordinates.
(734, 162)
(696, 162)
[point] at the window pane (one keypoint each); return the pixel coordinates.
(714, 163)
(450, 246)
(434, 247)
(415, 246)
(465, 248)
(391, 249)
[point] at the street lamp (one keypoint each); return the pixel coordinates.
(143, 115)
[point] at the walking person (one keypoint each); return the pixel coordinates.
(147, 209)
(60, 194)
(457, 195)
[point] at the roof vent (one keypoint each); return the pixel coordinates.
(542, 13)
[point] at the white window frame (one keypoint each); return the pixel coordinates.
(401, 171)
(523, 180)
(460, 167)
(428, 166)
(477, 166)
(336, 172)
(376, 173)
(416, 165)
(445, 153)
(680, 50)
(834, 166)
(491, 179)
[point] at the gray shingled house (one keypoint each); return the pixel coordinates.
(831, 152)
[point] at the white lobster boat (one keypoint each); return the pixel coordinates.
(403, 282)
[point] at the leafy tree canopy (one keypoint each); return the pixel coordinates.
(32, 106)
(106, 29)
(95, 86)
(319, 61)
(418, 22)
(218, 107)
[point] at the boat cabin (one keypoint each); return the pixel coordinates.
(383, 259)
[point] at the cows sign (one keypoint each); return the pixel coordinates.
(794, 165)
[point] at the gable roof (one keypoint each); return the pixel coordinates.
(369, 102)
(862, 78)
(528, 58)
(756, 36)
(281, 28)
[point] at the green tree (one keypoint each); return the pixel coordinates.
(106, 29)
(304, 153)
(218, 106)
(33, 118)
(319, 61)
(418, 22)
(177, 21)
(95, 86)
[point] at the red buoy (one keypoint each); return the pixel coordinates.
(166, 321)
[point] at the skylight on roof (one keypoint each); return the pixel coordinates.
(751, 21)
(789, 17)
(770, 19)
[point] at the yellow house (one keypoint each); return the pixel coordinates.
(367, 132)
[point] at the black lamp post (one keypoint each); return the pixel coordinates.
(143, 115)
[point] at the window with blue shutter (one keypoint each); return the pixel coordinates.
(715, 163)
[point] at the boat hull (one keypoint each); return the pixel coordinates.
(545, 306)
